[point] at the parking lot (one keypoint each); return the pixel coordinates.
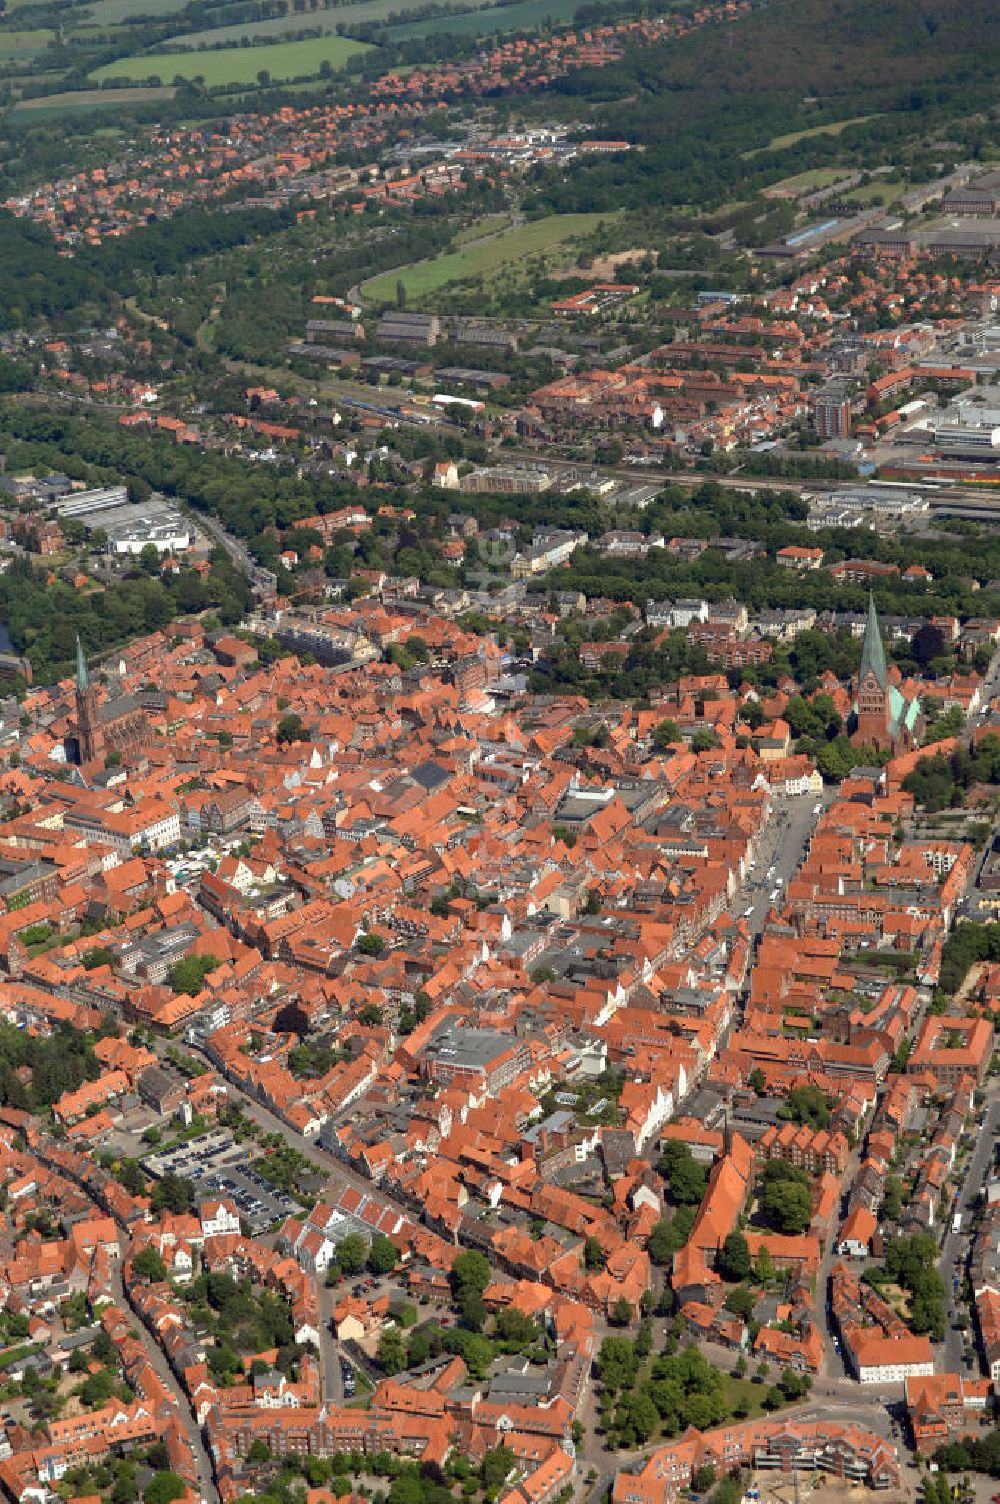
(219, 1166)
(210, 1151)
(257, 1202)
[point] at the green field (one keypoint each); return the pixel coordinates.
(834, 129)
(238, 65)
(84, 101)
(466, 22)
(888, 189)
(808, 182)
(522, 16)
(778, 143)
(114, 12)
(19, 44)
(490, 224)
(484, 258)
(325, 21)
(474, 21)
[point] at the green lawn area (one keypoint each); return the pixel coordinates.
(239, 65)
(833, 129)
(751, 1395)
(887, 189)
(539, 236)
(13, 1355)
(85, 100)
(18, 44)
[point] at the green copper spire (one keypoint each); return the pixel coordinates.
(82, 677)
(873, 650)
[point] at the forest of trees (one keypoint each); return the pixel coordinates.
(967, 944)
(60, 1062)
(911, 1264)
(261, 312)
(45, 617)
(36, 282)
(941, 782)
(706, 113)
(247, 500)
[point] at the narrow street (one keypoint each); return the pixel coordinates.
(206, 1479)
(834, 1369)
(239, 554)
(955, 1245)
(329, 1348)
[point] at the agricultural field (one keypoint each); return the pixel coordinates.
(325, 21)
(484, 257)
(470, 21)
(521, 16)
(115, 12)
(239, 65)
(16, 45)
(84, 101)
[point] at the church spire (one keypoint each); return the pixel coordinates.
(873, 649)
(82, 677)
